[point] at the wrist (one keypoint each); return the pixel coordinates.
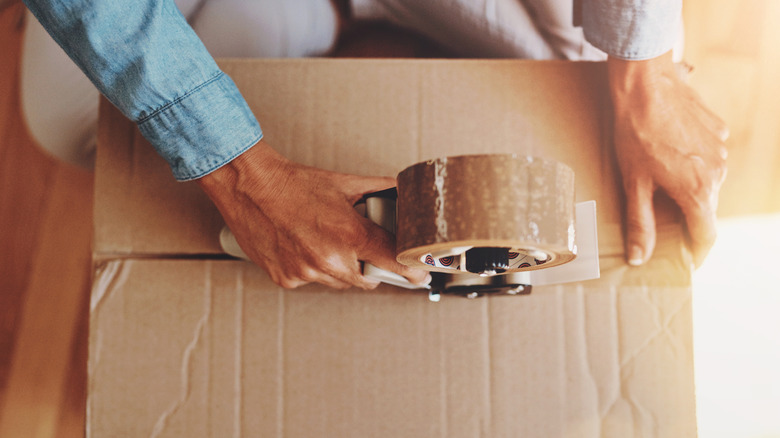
(254, 168)
(635, 82)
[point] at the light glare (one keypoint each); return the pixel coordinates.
(736, 309)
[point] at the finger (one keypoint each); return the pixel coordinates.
(640, 222)
(699, 209)
(315, 275)
(723, 152)
(293, 283)
(380, 252)
(717, 169)
(695, 189)
(370, 284)
(358, 280)
(351, 275)
(357, 186)
(333, 283)
(723, 132)
(289, 282)
(702, 179)
(713, 141)
(702, 231)
(712, 121)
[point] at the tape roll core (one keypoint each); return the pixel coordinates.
(449, 205)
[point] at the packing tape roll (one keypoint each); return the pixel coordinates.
(449, 205)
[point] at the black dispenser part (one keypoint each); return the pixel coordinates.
(487, 260)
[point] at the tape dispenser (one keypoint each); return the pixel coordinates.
(492, 224)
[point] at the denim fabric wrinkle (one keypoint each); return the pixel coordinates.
(216, 76)
(197, 122)
(146, 59)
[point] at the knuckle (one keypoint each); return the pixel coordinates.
(721, 168)
(723, 130)
(704, 216)
(704, 182)
(307, 274)
(327, 265)
(334, 265)
(723, 151)
(294, 277)
(353, 277)
(342, 286)
(357, 280)
(635, 225)
(289, 283)
(367, 284)
(343, 276)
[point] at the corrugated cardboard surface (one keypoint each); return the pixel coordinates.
(213, 348)
(198, 347)
(370, 117)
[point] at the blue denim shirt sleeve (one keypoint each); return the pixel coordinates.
(632, 29)
(144, 57)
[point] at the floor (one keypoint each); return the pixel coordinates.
(45, 235)
(45, 208)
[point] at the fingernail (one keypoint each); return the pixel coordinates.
(635, 256)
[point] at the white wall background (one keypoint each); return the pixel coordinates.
(737, 331)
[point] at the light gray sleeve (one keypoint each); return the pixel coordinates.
(632, 29)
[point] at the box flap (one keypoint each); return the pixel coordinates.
(371, 117)
(213, 348)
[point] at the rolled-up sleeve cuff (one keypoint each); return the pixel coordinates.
(204, 129)
(632, 29)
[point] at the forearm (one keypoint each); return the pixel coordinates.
(143, 56)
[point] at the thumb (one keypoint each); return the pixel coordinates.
(380, 252)
(640, 222)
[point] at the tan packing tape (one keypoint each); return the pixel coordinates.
(449, 205)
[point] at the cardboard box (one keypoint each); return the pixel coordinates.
(186, 343)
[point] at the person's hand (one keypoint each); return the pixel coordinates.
(299, 223)
(665, 137)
